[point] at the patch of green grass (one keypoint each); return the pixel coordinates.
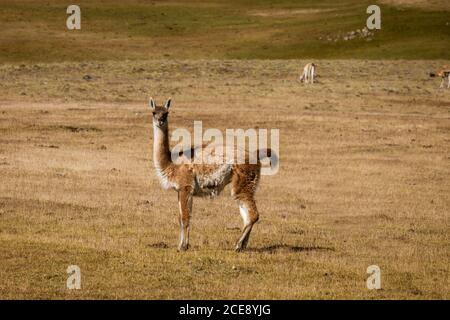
(35, 32)
(406, 34)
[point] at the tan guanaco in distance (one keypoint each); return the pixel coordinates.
(309, 72)
(191, 179)
(444, 73)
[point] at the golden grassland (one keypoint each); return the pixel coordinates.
(364, 179)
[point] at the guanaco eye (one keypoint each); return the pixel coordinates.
(154, 113)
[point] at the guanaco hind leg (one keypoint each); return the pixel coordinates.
(250, 216)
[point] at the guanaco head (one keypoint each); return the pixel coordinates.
(160, 114)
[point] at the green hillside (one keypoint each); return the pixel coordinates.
(33, 30)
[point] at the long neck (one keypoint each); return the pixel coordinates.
(161, 152)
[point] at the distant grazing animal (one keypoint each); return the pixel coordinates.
(309, 72)
(444, 73)
(192, 178)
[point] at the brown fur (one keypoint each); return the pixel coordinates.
(190, 179)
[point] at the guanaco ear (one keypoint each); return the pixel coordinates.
(152, 103)
(167, 105)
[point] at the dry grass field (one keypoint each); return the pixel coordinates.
(364, 179)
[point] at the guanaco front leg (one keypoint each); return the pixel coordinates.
(185, 205)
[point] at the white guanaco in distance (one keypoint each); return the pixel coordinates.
(309, 73)
(191, 178)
